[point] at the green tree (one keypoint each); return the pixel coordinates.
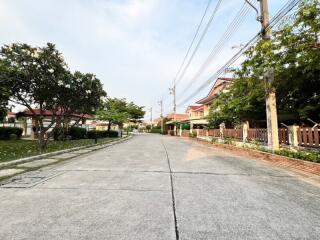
(135, 112)
(118, 111)
(39, 78)
(114, 111)
(293, 53)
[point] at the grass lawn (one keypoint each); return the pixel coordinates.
(15, 149)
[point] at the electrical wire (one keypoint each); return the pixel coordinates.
(231, 30)
(193, 39)
(199, 42)
(281, 13)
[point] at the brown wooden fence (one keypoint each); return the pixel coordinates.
(214, 132)
(308, 137)
(233, 133)
(258, 134)
(202, 132)
(283, 136)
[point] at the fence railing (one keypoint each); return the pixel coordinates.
(304, 137)
(214, 132)
(283, 134)
(308, 137)
(258, 134)
(233, 133)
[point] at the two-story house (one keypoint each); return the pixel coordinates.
(220, 85)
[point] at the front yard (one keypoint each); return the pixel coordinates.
(15, 149)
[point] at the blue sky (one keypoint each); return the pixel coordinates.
(134, 46)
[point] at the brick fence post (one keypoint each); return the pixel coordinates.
(293, 135)
(180, 130)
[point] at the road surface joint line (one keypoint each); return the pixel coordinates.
(233, 174)
(172, 194)
(107, 170)
(100, 189)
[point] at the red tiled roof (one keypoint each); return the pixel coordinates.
(178, 116)
(193, 107)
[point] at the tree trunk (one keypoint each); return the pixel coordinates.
(109, 126)
(42, 142)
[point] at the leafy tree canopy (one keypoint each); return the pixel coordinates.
(39, 78)
(118, 111)
(293, 53)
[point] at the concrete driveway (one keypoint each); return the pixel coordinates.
(158, 187)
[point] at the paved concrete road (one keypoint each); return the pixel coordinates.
(155, 187)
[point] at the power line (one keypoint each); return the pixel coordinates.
(194, 38)
(281, 13)
(191, 44)
(231, 30)
(199, 42)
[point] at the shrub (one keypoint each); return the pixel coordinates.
(185, 127)
(112, 134)
(155, 130)
(11, 120)
(101, 134)
(77, 132)
(5, 132)
(312, 156)
(192, 135)
(58, 133)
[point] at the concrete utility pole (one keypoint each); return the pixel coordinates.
(151, 117)
(161, 114)
(271, 104)
(173, 92)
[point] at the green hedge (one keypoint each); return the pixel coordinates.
(101, 134)
(74, 133)
(77, 133)
(5, 132)
(155, 130)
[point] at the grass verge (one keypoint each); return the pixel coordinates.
(15, 149)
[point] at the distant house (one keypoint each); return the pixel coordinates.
(31, 117)
(196, 115)
(177, 116)
(10, 115)
(195, 112)
(174, 119)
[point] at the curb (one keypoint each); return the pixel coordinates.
(51, 154)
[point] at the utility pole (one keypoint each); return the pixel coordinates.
(271, 104)
(161, 114)
(151, 117)
(173, 92)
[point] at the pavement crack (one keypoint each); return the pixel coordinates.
(172, 194)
